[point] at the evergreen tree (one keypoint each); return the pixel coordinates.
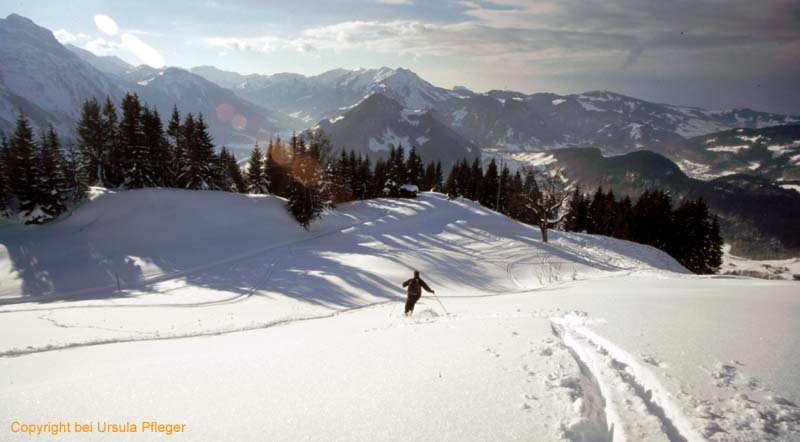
(177, 147)
(452, 187)
(577, 217)
(137, 172)
(653, 220)
(305, 200)
(93, 143)
(114, 149)
(504, 191)
(414, 169)
(277, 167)
(22, 171)
(379, 178)
(363, 177)
(52, 185)
(342, 188)
(5, 190)
(438, 183)
(489, 187)
(157, 146)
(516, 204)
(713, 252)
(473, 185)
(73, 175)
(232, 179)
(257, 180)
(201, 165)
(429, 177)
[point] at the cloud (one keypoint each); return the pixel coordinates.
(549, 36)
(130, 43)
(396, 2)
(101, 46)
(106, 24)
(63, 36)
(143, 51)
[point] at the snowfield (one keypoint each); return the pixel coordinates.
(217, 311)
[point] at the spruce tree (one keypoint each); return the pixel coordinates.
(22, 171)
(114, 149)
(52, 185)
(257, 180)
(158, 149)
(414, 169)
(713, 252)
(74, 176)
(5, 190)
(93, 145)
(363, 177)
(473, 184)
(138, 172)
(305, 200)
(489, 187)
(200, 169)
(452, 187)
(429, 177)
(231, 178)
(177, 147)
(439, 180)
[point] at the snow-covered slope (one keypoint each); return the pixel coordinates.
(584, 338)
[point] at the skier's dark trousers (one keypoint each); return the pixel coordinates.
(415, 286)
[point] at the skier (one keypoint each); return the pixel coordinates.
(415, 286)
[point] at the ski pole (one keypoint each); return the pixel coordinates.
(440, 303)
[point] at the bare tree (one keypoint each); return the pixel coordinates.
(543, 197)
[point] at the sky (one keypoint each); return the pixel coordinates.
(710, 53)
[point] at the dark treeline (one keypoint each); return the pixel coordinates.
(689, 233)
(130, 148)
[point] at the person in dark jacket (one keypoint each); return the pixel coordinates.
(415, 286)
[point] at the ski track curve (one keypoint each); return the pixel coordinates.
(637, 406)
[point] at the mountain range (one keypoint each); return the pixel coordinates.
(732, 152)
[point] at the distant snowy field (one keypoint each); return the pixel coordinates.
(216, 310)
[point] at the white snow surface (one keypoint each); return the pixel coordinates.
(232, 319)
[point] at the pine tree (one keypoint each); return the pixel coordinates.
(363, 177)
(257, 180)
(200, 170)
(473, 183)
(577, 216)
(452, 186)
(5, 190)
(429, 177)
(22, 171)
(231, 178)
(52, 185)
(504, 191)
(177, 147)
(414, 169)
(438, 182)
(489, 186)
(157, 145)
(277, 167)
(713, 252)
(92, 140)
(115, 150)
(138, 172)
(305, 200)
(73, 175)
(516, 204)
(379, 177)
